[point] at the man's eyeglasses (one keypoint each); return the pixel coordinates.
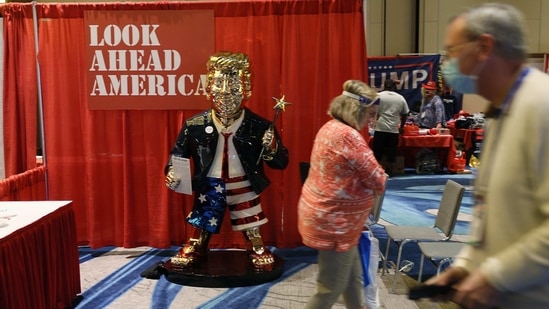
(450, 50)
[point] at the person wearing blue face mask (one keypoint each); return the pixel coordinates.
(464, 83)
(506, 261)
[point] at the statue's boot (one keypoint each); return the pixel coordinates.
(260, 257)
(193, 252)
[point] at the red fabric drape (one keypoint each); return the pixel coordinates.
(110, 163)
(27, 186)
(20, 91)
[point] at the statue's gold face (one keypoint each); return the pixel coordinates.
(227, 93)
(228, 84)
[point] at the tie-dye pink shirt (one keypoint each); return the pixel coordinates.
(338, 194)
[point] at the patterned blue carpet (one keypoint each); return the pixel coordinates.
(111, 277)
(107, 285)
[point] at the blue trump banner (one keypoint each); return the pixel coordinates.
(410, 72)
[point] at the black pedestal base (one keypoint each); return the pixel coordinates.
(223, 268)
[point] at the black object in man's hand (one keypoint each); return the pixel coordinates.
(428, 291)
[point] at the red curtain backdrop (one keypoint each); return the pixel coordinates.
(20, 91)
(110, 163)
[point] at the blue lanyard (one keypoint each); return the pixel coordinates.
(481, 182)
(509, 98)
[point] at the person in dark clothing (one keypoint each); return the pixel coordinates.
(450, 102)
(391, 117)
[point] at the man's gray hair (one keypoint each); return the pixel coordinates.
(504, 23)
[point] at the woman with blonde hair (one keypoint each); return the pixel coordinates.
(338, 194)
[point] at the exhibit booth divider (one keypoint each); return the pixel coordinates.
(110, 163)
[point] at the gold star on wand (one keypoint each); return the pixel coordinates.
(279, 106)
(280, 103)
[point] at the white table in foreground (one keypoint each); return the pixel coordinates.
(39, 265)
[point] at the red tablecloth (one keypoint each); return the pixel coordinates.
(442, 144)
(466, 136)
(427, 141)
(39, 265)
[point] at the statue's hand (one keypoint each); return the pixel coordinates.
(269, 146)
(268, 138)
(171, 180)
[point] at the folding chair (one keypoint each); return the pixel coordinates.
(443, 252)
(376, 209)
(441, 231)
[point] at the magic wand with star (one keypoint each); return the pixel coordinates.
(279, 106)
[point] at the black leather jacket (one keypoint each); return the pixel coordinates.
(194, 141)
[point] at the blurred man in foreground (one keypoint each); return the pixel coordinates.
(506, 263)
